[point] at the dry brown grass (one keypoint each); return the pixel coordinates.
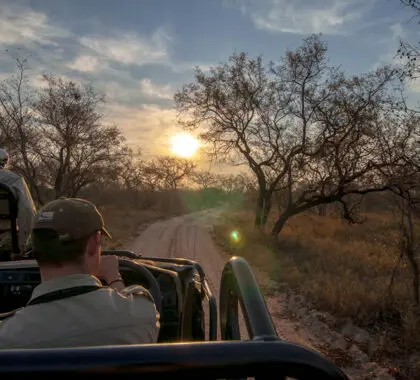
(125, 218)
(340, 268)
(125, 224)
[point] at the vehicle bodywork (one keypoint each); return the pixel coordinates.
(188, 344)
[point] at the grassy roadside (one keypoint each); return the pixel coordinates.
(342, 269)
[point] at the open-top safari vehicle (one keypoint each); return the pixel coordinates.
(189, 344)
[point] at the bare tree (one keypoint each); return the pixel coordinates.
(76, 149)
(354, 142)
(409, 52)
(165, 172)
(18, 132)
(240, 182)
(233, 102)
(301, 126)
(204, 179)
(131, 173)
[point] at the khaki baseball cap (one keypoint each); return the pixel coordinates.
(71, 218)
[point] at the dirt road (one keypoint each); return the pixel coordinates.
(189, 236)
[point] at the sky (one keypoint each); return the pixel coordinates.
(140, 52)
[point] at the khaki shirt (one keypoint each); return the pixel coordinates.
(101, 317)
(26, 206)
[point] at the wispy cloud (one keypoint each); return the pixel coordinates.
(305, 17)
(22, 26)
(391, 42)
(85, 63)
(148, 126)
(154, 90)
(137, 93)
(130, 48)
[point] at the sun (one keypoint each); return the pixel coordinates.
(184, 145)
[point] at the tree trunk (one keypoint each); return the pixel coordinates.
(411, 254)
(281, 221)
(263, 208)
(415, 279)
(322, 210)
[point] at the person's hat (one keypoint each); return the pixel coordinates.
(71, 218)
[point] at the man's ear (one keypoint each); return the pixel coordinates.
(93, 243)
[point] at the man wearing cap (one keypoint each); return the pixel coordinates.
(70, 308)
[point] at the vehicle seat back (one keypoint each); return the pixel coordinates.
(8, 218)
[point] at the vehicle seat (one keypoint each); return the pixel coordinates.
(8, 223)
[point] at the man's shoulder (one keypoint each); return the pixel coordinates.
(132, 303)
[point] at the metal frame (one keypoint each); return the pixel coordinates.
(205, 287)
(260, 357)
(239, 286)
(211, 360)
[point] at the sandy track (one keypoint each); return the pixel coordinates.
(189, 236)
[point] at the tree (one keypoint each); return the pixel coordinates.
(204, 179)
(76, 148)
(132, 178)
(234, 102)
(301, 126)
(408, 202)
(409, 52)
(18, 132)
(166, 172)
(356, 141)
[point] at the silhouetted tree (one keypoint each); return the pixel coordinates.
(301, 126)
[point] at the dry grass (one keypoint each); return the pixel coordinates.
(340, 268)
(125, 224)
(125, 217)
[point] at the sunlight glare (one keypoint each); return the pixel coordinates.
(184, 145)
(235, 236)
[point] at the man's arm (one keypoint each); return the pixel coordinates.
(117, 283)
(144, 313)
(141, 306)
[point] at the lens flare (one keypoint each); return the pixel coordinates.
(235, 236)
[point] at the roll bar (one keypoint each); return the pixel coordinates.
(240, 285)
(210, 360)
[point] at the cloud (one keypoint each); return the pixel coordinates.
(391, 42)
(85, 63)
(156, 91)
(130, 48)
(115, 61)
(147, 126)
(305, 17)
(21, 26)
(132, 93)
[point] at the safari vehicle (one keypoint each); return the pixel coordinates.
(189, 344)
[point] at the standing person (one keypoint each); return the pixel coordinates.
(26, 206)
